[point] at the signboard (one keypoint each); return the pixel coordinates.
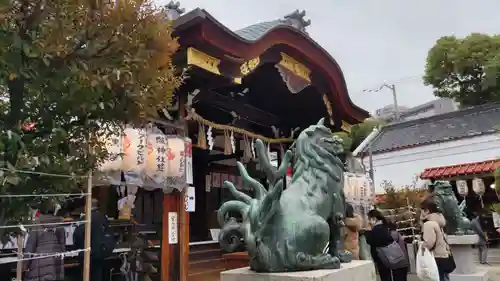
(189, 161)
(496, 219)
(172, 228)
(189, 199)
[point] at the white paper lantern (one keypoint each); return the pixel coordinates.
(113, 145)
(478, 186)
(462, 187)
(109, 171)
(156, 159)
(134, 160)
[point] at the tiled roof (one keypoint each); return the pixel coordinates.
(461, 170)
(469, 122)
(255, 31)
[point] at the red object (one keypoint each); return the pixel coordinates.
(461, 170)
(289, 172)
(170, 154)
(29, 126)
(37, 214)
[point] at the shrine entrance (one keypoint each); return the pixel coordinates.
(268, 81)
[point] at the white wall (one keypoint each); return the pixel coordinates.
(401, 166)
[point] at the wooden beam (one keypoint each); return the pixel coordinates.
(242, 109)
(220, 157)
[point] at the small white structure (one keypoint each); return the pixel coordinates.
(359, 192)
(402, 151)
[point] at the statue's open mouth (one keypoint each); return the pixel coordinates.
(328, 140)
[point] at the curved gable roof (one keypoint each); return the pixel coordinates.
(260, 36)
(255, 31)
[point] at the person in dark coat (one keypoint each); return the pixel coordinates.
(45, 240)
(380, 236)
(401, 242)
(98, 226)
(482, 244)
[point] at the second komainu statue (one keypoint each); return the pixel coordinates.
(299, 228)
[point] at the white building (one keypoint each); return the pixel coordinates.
(434, 107)
(465, 138)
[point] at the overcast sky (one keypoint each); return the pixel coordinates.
(373, 41)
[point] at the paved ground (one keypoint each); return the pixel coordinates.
(493, 273)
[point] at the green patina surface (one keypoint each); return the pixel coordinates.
(456, 221)
(289, 230)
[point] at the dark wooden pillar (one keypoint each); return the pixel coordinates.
(199, 221)
(175, 256)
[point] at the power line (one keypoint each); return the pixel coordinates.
(43, 174)
(374, 87)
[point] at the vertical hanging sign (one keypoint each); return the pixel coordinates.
(190, 199)
(176, 167)
(189, 161)
(172, 228)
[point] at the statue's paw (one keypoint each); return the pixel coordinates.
(345, 256)
(331, 262)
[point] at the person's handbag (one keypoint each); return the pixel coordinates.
(446, 264)
(392, 256)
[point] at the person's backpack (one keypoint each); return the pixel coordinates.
(392, 256)
(108, 243)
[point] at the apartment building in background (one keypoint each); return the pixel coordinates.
(434, 107)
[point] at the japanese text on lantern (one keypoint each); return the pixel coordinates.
(161, 149)
(114, 148)
(140, 149)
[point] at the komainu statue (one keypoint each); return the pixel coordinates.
(298, 228)
(456, 221)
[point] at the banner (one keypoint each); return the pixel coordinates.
(189, 161)
(176, 166)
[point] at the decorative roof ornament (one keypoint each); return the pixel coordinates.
(296, 19)
(174, 10)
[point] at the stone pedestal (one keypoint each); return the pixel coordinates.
(353, 271)
(461, 246)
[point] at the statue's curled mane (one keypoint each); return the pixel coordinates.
(308, 152)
